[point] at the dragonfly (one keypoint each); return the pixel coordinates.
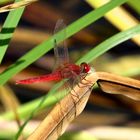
(64, 70)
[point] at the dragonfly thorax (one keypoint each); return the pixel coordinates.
(70, 70)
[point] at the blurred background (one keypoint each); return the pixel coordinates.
(113, 113)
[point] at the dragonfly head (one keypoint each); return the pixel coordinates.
(85, 68)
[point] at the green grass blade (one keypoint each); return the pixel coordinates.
(110, 43)
(104, 46)
(8, 29)
(41, 49)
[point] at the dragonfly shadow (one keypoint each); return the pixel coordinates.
(7, 37)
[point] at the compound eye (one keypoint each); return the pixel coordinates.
(85, 67)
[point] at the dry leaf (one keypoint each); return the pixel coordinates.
(114, 84)
(65, 111)
(16, 5)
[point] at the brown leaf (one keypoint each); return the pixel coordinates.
(65, 111)
(15, 5)
(114, 84)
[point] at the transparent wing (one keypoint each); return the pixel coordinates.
(60, 50)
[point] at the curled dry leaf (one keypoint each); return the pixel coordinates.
(65, 111)
(114, 84)
(16, 5)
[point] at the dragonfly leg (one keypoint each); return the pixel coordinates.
(74, 102)
(73, 94)
(83, 78)
(73, 90)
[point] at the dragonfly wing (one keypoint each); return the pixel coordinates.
(60, 50)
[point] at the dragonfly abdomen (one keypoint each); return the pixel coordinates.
(44, 78)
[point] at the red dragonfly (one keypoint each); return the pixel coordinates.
(65, 70)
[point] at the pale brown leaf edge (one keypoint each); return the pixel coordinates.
(16, 5)
(114, 84)
(73, 104)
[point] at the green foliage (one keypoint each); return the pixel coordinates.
(44, 47)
